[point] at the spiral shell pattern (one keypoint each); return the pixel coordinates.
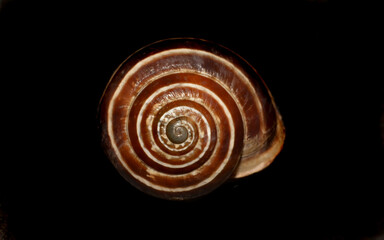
(173, 118)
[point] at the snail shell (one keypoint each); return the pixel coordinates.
(181, 116)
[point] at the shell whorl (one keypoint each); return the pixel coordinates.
(175, 118)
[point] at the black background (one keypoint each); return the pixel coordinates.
(319, 59)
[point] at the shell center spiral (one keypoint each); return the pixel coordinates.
(176, 132)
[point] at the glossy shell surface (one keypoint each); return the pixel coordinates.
(181, 116)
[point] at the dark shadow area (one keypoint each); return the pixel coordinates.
(317, 58)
